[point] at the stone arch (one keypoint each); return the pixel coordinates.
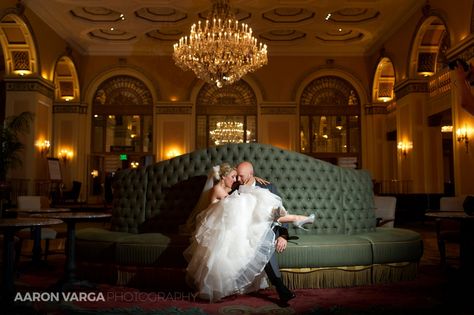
(384, 81)
(237, 94)
(90, 91)
(226, 114)
(18, 46)
(122, 90)
(338, 73)
(329, 91)
(66, 82)
(330, 109)
(429, 46)
(254, 86)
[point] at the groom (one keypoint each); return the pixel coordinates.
(245, 177)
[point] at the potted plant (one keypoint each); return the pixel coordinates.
(11, 146)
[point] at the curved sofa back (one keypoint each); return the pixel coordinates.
(159, 198)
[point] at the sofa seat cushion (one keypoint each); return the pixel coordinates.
(152, 249)
(95, 244)
(314, 251)
(392, 245)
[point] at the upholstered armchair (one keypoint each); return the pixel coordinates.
(385, 210)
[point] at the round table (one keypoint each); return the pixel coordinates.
(36, 231)
(9, 226)
(42, 210)
(466, 246)
(71, 218)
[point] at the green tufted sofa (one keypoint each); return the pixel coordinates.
(342, 248)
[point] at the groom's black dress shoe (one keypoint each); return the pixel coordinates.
(286, 296)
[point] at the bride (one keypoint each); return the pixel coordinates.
(233, 239)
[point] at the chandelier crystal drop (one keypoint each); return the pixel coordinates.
(228, 132)
(220, 51)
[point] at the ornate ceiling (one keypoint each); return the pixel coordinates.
(288, 27)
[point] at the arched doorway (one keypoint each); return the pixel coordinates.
(225, 115)
(122, 130)
(330, 121)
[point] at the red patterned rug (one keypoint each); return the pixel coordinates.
(433, 292)
(436, 290)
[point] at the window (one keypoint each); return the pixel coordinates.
(122, 129)
(226, 115)
(122, 133)
(219, 129)
(329, 119)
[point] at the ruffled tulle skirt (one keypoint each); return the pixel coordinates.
(232, 244)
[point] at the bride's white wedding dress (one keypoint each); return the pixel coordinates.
(232, 244)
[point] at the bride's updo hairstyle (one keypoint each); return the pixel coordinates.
(222, 171)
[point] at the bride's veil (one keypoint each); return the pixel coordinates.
(203, 201)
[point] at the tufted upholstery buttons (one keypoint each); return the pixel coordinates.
(161, 196)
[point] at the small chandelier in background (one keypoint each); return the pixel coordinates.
(228, 132)
(220, 51)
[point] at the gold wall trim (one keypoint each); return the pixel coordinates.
(278, 110)
(69, 109)
(411, 86)
(227, 111)
(176, 110)
(30, 85)
(376, 109)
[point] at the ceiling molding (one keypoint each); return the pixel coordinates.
(152, 26)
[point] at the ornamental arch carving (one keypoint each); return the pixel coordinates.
(122, 90)
(18, 46)
(384, 81)
(329, 119)
(66, 82)
(238, 96)
(227, 114)
(329, 91)
(430, 43)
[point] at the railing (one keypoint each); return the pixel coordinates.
(43, 188)
(396, 186)
(439, 83)
(19, 187)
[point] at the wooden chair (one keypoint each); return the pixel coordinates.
(71, 196)
(448, 231)
(47, 234)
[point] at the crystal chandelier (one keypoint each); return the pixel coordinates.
(228, 132)
(220, 51)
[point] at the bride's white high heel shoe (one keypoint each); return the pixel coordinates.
(308, 220)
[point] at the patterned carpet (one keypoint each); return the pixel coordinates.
(436, 290)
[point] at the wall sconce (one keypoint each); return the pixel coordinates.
(172, 152)
(134, 164)
(43, 147)
(447, 128)
(403, 147)
(95, 173)
(462, 136)
(65, 155)
(67, 98)
(22, 73)
(384, 99)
